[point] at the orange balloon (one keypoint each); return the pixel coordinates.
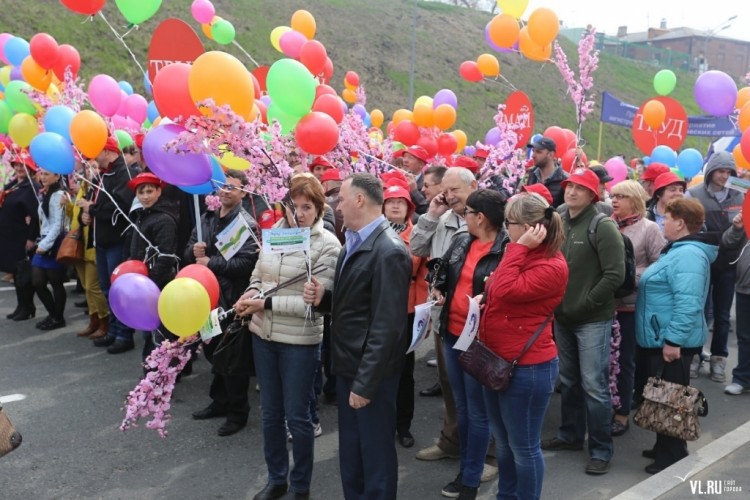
(654, 114)
(503, 30)
(423, 116)
(349, 96)
(488, 65)
(206, 28)
(35, 75)
(744, 119)
(223, 78)
(445, 116)
(89, 133)
(461, 139)
(739, 158)
(350, 86)
(543, 26)
(531, 49)
(743, 97)
(696, 181)
(376, 118)
(304, 22)
(401, 115)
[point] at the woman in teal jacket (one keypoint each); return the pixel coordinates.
(669, 322)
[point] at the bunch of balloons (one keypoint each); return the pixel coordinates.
(297, 42)
(134, 11)
(214, 27)
(486, 65)
(534, 40)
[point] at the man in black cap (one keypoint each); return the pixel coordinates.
(604, 178)
(546, 170)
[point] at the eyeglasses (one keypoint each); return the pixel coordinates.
(229, 187)
(507, 223)
(468, 211)
(619, 196)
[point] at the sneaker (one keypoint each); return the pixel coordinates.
(434, 452)
(317, 429)
(695, 366)
(718, 368)
(488, 473)
(734, 389)
(432, 362)
(452, 489)
(557, 444)
(597, 467)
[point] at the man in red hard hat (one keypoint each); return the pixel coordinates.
(414, 160)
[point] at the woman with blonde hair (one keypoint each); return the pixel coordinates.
(629, 212)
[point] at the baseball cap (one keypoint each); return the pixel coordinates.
(602, 173)
(586, 178)
(539, 189)
(467, 163)
(543, 143)
(112, 145)
(418, 152)
(653, 171)
(481, 153)
(330, 174)
(322, 161)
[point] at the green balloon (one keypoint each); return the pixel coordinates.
(287, 121)
(17, 98)
(291, 87)
(664, 82)
(5, 115)
(138, 11)
(222, 32)
(123, 139)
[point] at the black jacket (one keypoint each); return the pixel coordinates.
(453, 262)
(109, 224)
(553, 183)
(369, 308)
(159, 226)
(20, 202)
(233, 274)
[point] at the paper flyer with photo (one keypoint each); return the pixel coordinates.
(231, 239)
(421, 323)
(286, 240)
(470, 327)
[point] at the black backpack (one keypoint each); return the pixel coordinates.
(628, 284)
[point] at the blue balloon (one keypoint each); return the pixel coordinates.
(57, 119)
(16, 50)
(126, 87)
(218, 179)
(665, 155)
(53, 153)
(147, 84)
(368, 120)
(152, 112)
(646, 160)
(689, 162)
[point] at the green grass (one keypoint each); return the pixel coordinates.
(372, 38)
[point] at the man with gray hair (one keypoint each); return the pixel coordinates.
(368, 306)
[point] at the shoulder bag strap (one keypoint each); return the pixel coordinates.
(533, 338)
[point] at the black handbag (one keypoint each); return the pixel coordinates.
(22, 276)
(234, 353)
(488, 368)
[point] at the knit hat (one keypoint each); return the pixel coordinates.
(653, 171)
(539, 189)
(586, 178)
(668, 178)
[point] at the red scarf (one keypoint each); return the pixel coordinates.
(627, 221)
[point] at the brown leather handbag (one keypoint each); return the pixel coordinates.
(71, 247)
(10, 439)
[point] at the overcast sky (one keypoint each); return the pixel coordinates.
(639, 15)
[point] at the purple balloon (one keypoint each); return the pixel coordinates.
(131, 289)
(716, 93)
(15, 73)
(494, 46)
(180, 169)
(470, 150)
(493, 136)
(266, 99)
(360, 110)
(445, 96)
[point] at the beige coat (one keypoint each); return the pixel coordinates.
(286, 321)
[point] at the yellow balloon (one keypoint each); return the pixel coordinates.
(53, 92)
(461, 138)
(276, 34)
(423, 100)
(184, 306)
(5, 75)
(230, 161)
(376, 118)
(401, 115)
(488, 65)
(513, 7)
(222, 77)
(531, 49)
(304, 22)
(22, 128)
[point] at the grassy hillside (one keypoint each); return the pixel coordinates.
(372, 38)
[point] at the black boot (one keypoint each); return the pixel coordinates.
(19, 302)
(26, 308)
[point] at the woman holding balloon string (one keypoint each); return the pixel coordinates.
(287, 339)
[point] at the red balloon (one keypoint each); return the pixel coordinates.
(406, 133)
(44, 50)
(69, 57)
(558, 135)
(570, 139)
(205, 277)
(569, 156)
(323, 89)
(172, 92)
(352, 78)
(330, 105)
(314, 56)
(86, 7)
(446, 144)
(316, 133)
(256, 85)
(328, 71)
(469, 71)
(260, 74)
(129, 266)
(262, 110)
(429, 144)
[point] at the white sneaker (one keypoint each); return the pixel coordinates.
(734, 389)
(718, 367)
(695, 366)
(317, 429)
(432, 362)
(488, 473)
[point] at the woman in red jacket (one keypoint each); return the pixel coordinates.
(520, 296)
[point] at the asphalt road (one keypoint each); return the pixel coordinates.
(73, 395)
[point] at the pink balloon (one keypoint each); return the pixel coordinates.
(121, 109)
(125, 123)
(4, 37)
(291, 43)
(617, 169)
(105, 94)
(203, 11)
(136, 107)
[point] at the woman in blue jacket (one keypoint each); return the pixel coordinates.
(670, 325)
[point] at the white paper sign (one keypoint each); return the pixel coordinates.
(231, 239)
(286, 240)
(738, 184)
(470, 327)
(421, 322)
(212, 327)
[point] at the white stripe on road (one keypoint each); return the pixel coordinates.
(11, 398)
(9, 288)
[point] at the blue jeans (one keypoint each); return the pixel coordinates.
(584, 376)
(722, 295)
(741, 374)
(285, 376)
(626, 377)
(315, 387)
(107, 259)
(516, 418)
(471, 416)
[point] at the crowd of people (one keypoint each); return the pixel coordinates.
(544, 259)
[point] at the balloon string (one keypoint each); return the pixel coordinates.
(236, 44)
(117, 35)
(392, 167)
